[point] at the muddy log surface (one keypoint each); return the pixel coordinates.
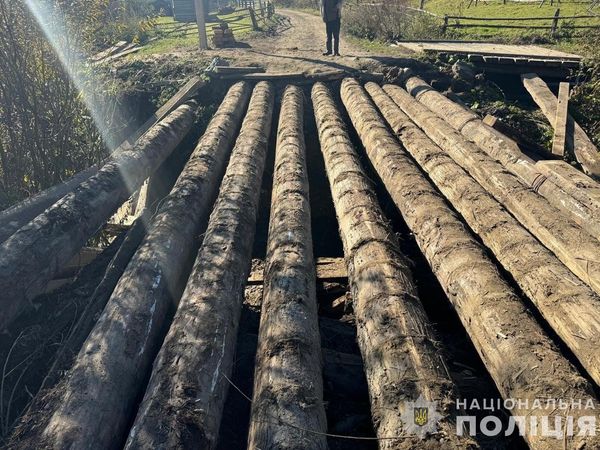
(111, 369)
(288, 380)
(521, 358)
(575, 248)
(401, 361)
(184, 399)
(563, 196)
(570, 307)
(36, 252)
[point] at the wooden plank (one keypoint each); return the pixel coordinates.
(560, 122)
(577, 140)
(328, 269)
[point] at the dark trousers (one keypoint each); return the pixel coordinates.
(333, 32)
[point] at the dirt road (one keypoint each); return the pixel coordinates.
(297, 47)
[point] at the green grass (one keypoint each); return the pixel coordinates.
(495, 8)
(175, 36)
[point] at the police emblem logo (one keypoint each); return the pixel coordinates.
(421, 415)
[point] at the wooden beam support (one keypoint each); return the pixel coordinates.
(576, 140)
(560, 121)
(125, 340)
(188, 386)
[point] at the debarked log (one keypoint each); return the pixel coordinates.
(401, 361)
(184, 400)
(521, 358)
(110, 371)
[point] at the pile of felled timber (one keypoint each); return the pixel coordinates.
(148, 362)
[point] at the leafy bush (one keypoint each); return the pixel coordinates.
(388, 21)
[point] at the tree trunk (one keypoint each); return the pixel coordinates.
(565, 198)
(521, 359)
(578, 143)
(111, 369)
(401, 361)
(571, 308)
(568, 241)
(288, 382)
(35, 253)
(184, 399)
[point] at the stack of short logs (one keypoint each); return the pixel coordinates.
(154, 370)
(223, 36)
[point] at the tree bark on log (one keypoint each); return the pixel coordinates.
(577, 249)
(571, 308)
(520, 357)
(288, 381)
(110, 372)
(401, 361)
(36, 252)
(184, 399)
(564, 197)
(578, 143)
(15, 217)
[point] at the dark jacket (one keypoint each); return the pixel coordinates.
(331, 10)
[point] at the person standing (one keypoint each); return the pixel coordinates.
(331, 11)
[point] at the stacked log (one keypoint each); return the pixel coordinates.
(109, 374)
(401, 361)
(562, 196)
(520, 357)
(569, 306)
(288, 383)
(184, 400)
(36, 252)
(575, 248)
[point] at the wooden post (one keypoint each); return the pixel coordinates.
(422, 4)
(537, 271)
(560, 122)
(253, 18)
(554, 29)
(144, 299)
(196, 357)
(577, 140)
(201, 21)
(445, 26)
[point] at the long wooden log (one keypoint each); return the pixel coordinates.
(520, 357)
(564, 174)
(15, 217)
(288, 359)
(36, 252)
(569, 306)
(394, 334)
(576, 249)
(128, 335)
(578, 142)
(184, 400)
(565, 198)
